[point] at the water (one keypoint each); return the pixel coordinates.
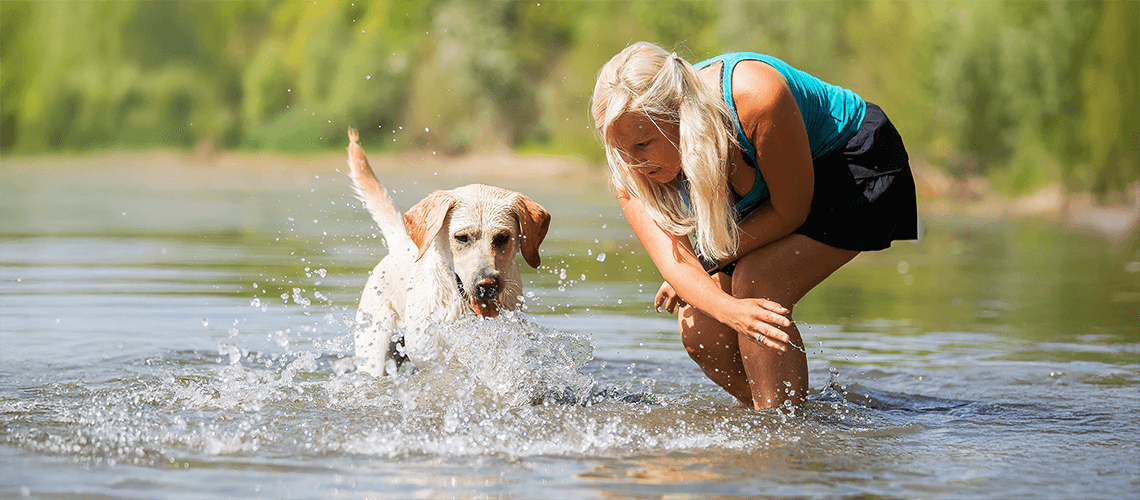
(178, 330)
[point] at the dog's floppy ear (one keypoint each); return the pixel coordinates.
(425, 219)
(534, 221)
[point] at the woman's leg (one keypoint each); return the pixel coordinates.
(715, 347)
(758, 376)
(783, 271)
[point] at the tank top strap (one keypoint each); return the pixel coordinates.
(728, 63)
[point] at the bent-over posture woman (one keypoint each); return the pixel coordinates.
(780, 179)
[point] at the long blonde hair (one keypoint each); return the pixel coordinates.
(644, 78)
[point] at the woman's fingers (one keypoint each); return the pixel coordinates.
(773, 306)
(772, 312)
(767, 342)
(764, 324)
(675, 301)
(666, 297)
(768, 331)
(769, 336)
(776, 319)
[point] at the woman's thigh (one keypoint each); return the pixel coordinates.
(787, 269)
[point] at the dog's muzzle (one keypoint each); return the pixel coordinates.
(487, 288)
(486, 291)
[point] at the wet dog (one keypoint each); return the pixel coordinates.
(450, 256)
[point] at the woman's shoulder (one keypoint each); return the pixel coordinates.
(757, 88)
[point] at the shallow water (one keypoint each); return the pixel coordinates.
(186, 333)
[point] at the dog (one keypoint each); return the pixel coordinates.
(451, 256)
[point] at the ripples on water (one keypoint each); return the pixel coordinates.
(190, 363)
(518, 399)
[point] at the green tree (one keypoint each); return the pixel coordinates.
(1025, 93)
(1110, 88)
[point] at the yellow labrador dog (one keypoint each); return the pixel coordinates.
(455, 258)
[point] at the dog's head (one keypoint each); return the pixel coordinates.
(480, 228)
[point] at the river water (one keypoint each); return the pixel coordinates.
(176, 330)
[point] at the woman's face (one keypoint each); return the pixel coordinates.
(649, 147)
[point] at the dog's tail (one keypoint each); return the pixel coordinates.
(374, 196)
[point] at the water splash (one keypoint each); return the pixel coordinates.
(507, 387)
(519, 360)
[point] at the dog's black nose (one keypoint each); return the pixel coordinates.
(487, 288)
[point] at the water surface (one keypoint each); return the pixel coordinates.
(174, 330)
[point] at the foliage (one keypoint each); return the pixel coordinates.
(1024, 93)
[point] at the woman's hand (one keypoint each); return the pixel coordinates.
(761, 320)
(667, 297)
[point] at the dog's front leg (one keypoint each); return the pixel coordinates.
(433, 301)
(374, 341)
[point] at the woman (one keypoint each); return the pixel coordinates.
(780, 178)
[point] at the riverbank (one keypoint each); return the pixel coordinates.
(942, 194)
(938, 193)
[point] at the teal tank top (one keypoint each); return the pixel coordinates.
(832, 115)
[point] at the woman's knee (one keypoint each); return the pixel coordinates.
(701, 335)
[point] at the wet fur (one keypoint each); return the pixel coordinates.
(471, 233)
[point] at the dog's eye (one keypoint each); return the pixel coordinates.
(462, 238)
(501, 239)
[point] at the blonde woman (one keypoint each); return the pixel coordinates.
(778, 177)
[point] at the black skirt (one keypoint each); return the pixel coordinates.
(864, 195)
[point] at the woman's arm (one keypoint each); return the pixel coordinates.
(770, 117)
(674, 257)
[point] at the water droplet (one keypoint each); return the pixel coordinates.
(601, 257)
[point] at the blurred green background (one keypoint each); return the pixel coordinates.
(1024, 93)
